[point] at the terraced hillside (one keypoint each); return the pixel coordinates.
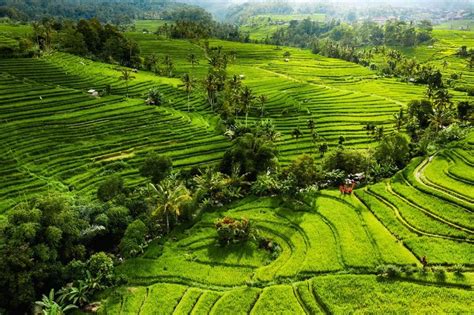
(88, 137)
(59, 136)
(341, 97)
(329, 252)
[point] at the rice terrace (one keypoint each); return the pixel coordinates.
(236, 157)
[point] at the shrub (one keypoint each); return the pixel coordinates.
(439, 273)
(458, 270)
(266, 185)
(394, 149)
(250, 155)
(133, 239)
(388, 271)
(305, 171)
(101, 266)
(410, 270)
(349, 161)
(230, 230)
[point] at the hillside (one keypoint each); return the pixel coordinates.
(401, 244)
(329, 252)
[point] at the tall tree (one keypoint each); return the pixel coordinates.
(247, 99)
(193, 59)
(262, 100)
(188, 85)
(210, 84)
(126, 76)
(169, 198)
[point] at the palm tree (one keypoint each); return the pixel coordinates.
(169, 198)
(247, 98)
(210, 84)
(399, 119)
(323, 148)
(445, 64)
(311, 125)
(168, 62)
(51, 307)
(151, 61)
(188, 84)
(262, 100)
(126, 76)
(154, 97)
(193, 59)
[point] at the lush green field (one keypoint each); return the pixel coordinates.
(58, 137)
(329, 253)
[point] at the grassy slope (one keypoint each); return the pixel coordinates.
(59, 136)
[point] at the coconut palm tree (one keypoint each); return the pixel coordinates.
(262, 99)
(168, 62)
(154, 97)
(151, 63)
(51, 307)
(247, 99)
(399, 119)
(193, 59)
(323, 148)
(168, 198)
(210, 84)
(188, 84)
(126, 76)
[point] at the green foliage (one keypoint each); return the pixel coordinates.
(50, 307)
(251, 155)
(101, 266)
(393, 149)
(349, 161)
(110, 188)
(305, 170)
(118, 220)
(39, 238)
(134, 239)
(156, 167)
(388, 271)
(231, 230)
(168, 199)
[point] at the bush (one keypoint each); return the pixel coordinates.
(305, 170)
(110, 188)
(349, 161)
(101, 266)
(388, 271)
(266, 185)
(133, 239)
(439, 273)
(251, 156)
(394, 149)
(230, 230)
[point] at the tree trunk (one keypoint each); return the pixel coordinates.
(167, 223)
(188, 103)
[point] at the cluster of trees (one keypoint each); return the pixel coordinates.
(89, 38)
(49, 242)
(242, 12)
(117, 12)
(392, 33)
(191, 29)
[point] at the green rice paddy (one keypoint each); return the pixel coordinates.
(57, 136)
